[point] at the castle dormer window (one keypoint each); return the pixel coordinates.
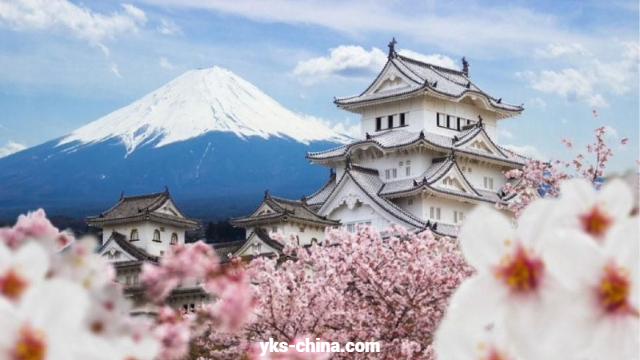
(402, 120)
(156, 235)
(378, 123)
(134, 235)
(174, 239)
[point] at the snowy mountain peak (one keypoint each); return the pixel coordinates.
(198, 102)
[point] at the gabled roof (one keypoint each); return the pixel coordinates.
(279, 209)
(425, 78)
(315, 200)
(259, 235)
(141, 207)
(400, 138)
(128, 247)
(227, 250)
(430, 181)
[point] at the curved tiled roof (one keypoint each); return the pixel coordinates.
(398, 138)
(283, 208)
(320, 196)
(140, 207)
(425, 77)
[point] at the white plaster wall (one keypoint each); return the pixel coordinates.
(479, 172)
(419, 163)
(447, 208)
(145, 234)
(421, 115)
(359, 214)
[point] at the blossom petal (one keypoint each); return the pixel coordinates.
(484, 236)
(574, 259)
(579, 193)
(623, 246)
(616, 197)
(33, 261)
(554, 317)
(10, 325)
(536, 223)
(55, 304)
(614, 338)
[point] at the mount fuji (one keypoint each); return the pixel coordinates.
(213, 138)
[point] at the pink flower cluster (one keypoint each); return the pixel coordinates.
(58, 298)
(352, 287)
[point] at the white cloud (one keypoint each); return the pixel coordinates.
(11, 147)
(349, 130)
(501, 30)
(114, 69)
(505, 134)
(610, 131)
(168, 27)
(556, 50)
(573, 85)
(589, 82)
(165, 63)
(80, 21)
(345, 61)
(527, 150)
(355, 61)
(537, 103)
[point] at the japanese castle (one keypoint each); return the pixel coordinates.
(427, 154)
(140, 229)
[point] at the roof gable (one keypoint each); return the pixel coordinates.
(453, 180)
(259, 243)
(479, 141)
(391, 78)
(361, 186)
(118, 242)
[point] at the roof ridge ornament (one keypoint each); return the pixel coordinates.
(122, 195)
(465, 66)
(368, 136)
(266, 194)
(480, 124)
(421, 134)
(347, 164)
(392, 49)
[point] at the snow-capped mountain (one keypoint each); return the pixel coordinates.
(197, 102)
(213, 138)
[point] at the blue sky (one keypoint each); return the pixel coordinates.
(66, 63)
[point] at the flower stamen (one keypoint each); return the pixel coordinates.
(31, 345)
(520, 271)
(595, 222)
(614, 290)
(12, 284)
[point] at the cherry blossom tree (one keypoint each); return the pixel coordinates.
(352, 287)
(538, 179)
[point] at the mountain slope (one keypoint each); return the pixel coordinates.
(214, 139)
(197, 102)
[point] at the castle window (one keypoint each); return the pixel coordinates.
(390, 121)
(410, 202)
(301, 229)
(156, 235)
(434, 213)
(274, 229)
(387, 174)
(402, 119)
(128, 280)
(174, 239)
(408, 168)
(458, 216)
(488, 183)
(378, 123)
(134, 235)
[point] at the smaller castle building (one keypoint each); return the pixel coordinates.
(141, 229)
